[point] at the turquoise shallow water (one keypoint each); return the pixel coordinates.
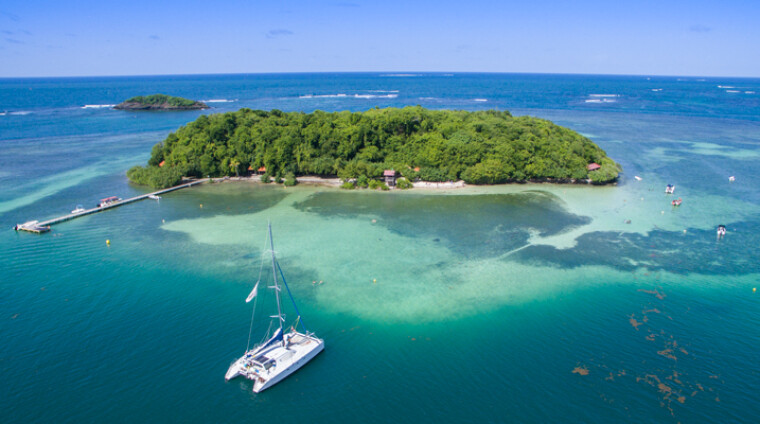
(486, 300)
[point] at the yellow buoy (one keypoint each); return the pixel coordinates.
(201, 204)
(374, 280)
(754, 289)
(108, 242)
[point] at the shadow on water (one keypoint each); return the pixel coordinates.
(692, 251)
(482, 226)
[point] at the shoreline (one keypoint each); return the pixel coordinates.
(422, 185)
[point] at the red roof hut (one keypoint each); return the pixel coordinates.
(390, 177)
(593, 166)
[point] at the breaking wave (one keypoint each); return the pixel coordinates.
(354, 96)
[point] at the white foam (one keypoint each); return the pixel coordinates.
(218, 101)
(604, 95)
(321, 96)
(749, 92)
(96, 106)
(480, 100)
(657, 89)
(401, 75)
(726, 86)
(20, 113)
(375, 96)
(343, 95)
(733, 91)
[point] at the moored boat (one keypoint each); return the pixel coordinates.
(108, 201)
(284, 352)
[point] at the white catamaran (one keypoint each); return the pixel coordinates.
(285, 351)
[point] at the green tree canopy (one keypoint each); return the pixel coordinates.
(483, 147)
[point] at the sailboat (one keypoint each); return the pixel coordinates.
(285, 351)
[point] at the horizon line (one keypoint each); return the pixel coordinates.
(390, 73)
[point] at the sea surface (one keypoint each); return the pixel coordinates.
(526, 303)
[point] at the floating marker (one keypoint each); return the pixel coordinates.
(754, 289)
(374, 280)
(201, 205)
(108, 242)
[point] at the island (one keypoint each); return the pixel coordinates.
(160, 102)
(482, 147)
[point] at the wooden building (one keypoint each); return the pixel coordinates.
(390, 177)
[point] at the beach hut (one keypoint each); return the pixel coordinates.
(593, 166)
(162, 163)
(390, 177)
(262, 170)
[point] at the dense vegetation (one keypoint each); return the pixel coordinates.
(484, 147)
(160, 101)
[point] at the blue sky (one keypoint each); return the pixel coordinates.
(138, 37)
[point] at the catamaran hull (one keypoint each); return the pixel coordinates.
(259, 385)
(234, 369)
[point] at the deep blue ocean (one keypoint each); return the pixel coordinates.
(517, 303)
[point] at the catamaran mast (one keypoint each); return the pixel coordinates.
(276, 286)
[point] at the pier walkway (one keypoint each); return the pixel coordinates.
(112, 205)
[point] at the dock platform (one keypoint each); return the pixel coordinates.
(70, 216)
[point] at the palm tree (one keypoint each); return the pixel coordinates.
(235, 163)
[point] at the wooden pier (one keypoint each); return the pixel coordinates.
(70, 216)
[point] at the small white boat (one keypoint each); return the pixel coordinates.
(284, 352)
(670, 189)
(731, 178)
(154, 197)
(637, 178)
(79, 209)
